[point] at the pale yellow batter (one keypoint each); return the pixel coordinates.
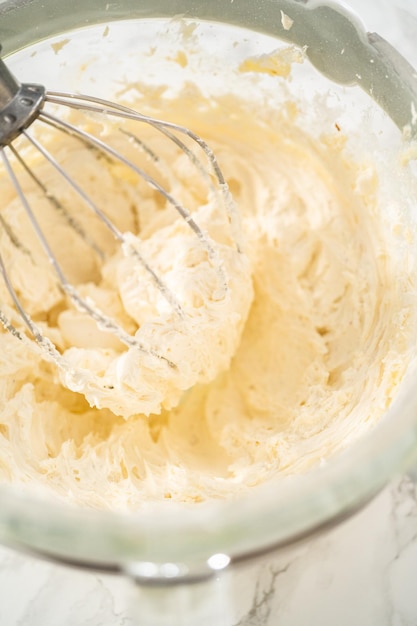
(318, 319)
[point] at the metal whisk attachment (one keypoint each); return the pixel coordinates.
(25, 109)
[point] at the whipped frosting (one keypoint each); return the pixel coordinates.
(182, 320)
(299, 356)
(178, 349)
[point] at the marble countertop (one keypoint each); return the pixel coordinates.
(362, 573)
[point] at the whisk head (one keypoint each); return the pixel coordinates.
(95, 194)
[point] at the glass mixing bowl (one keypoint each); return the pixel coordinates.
(204, 545)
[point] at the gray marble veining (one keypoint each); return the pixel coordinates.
(363, 572)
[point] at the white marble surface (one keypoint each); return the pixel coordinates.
(362, 573)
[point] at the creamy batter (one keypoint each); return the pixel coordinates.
(295, 357)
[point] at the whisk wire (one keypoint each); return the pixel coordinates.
(43, 342)
(100, 105)
(23, 104)
(21, 310)
(103, 321)
(130, 249)
(101, 145)
(182, 211)
(70, 219)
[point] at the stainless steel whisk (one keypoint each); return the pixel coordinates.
(22, 105)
